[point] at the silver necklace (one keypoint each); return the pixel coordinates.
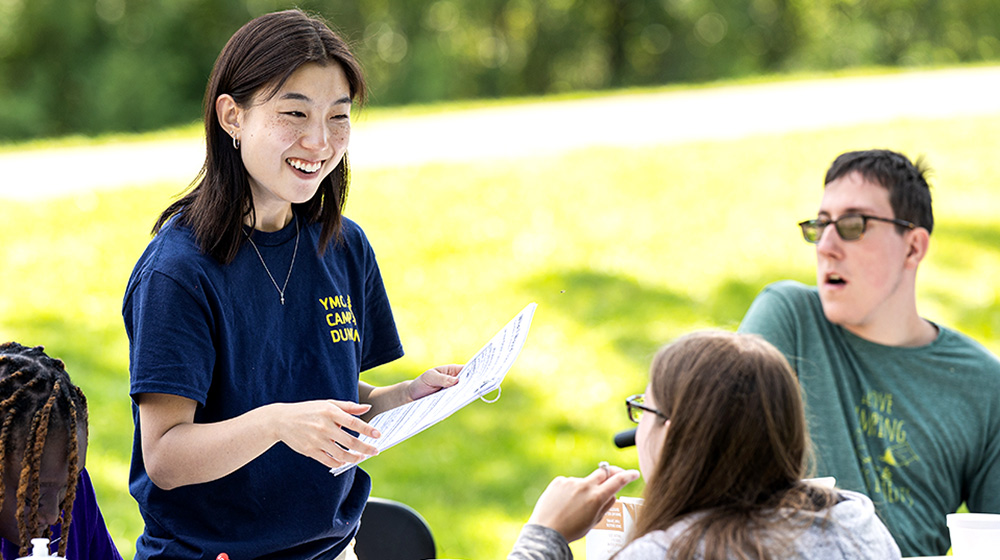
(281, 290)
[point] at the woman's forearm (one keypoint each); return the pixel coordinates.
(189, 453)
(177, 451)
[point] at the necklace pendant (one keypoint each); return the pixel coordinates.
(281, 290)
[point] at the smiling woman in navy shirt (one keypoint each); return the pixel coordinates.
(252, 313)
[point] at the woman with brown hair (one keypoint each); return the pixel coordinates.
(723, 447)
(253, 312)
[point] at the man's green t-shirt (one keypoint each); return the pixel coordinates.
(916, 429)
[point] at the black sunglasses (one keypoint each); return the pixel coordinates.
(850, 227)
(635, 407)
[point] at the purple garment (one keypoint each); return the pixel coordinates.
(88, 536)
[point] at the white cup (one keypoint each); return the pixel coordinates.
(974, 535)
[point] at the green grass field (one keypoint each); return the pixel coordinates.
(622, 249)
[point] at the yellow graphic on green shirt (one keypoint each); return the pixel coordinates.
(899, 455)
(339, 317)
(882, 446)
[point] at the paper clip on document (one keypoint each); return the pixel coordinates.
(494, 399)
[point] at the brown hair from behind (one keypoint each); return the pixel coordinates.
(736, 450)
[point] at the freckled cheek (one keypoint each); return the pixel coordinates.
(286, 134)
(287, 138)
(277, 138)
(281, 133)
(340, 138)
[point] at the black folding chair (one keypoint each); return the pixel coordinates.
(393, 531)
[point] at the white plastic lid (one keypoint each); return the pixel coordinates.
(39, 549)
(974, 520)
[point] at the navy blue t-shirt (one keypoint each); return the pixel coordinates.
(219, 335)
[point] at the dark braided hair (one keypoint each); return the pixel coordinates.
(37, 398)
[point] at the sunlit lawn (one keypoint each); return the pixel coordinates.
(622, 249)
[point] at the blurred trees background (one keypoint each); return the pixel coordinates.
(91, 66)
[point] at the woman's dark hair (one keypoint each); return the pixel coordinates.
(736, 449)
(257, 60)
(38, 400)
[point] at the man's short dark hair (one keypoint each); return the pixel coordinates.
(909, 193)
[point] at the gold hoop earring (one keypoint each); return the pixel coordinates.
(236, 142)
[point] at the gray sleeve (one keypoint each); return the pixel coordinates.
(540, 543)
(644, 548)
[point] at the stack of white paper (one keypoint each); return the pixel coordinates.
(481, 375)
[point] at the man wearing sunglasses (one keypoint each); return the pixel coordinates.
(900, 408)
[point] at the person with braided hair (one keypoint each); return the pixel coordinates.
(43, 451)
(900, 408)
